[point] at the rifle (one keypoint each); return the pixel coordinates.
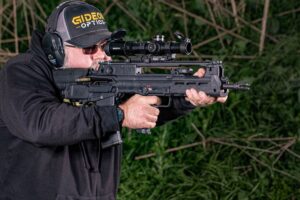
(107, 85)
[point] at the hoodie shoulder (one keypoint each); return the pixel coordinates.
(24, 58)
(33, 59)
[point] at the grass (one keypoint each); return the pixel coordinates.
(228, 165)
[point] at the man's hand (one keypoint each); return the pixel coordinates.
(139, 112)
(199, 98)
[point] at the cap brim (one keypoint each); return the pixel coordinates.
(90, 39)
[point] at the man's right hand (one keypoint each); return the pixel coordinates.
(139, 111)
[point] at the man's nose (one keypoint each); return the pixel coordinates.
(101, 55)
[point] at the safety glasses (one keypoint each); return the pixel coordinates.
(89, 50)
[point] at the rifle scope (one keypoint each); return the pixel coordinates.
(157, 47)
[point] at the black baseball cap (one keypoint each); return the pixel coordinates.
(79, 24)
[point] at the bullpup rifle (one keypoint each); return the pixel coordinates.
(107, 85)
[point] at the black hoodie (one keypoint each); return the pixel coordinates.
(51, 150)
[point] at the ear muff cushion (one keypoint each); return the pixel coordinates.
(54, 49)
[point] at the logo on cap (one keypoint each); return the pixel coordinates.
(88, 19)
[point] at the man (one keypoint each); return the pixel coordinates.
(50, 149)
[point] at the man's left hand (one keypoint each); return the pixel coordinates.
(199, 98)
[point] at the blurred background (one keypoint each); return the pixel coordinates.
(247, 148)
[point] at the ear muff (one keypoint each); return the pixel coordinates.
(54, 48)
(52, 43)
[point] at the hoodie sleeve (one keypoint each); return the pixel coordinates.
(33, 112)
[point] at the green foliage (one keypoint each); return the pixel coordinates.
(239, 169)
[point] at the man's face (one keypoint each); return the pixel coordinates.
(84, 58)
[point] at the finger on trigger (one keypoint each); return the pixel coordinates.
(152, 100)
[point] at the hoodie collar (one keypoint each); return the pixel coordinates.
(36, 45)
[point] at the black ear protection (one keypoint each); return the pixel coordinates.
(54, 48)
(52, 43)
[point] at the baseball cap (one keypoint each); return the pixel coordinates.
(79, 24)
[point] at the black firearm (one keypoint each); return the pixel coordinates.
(107, 85)
(112, 80)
